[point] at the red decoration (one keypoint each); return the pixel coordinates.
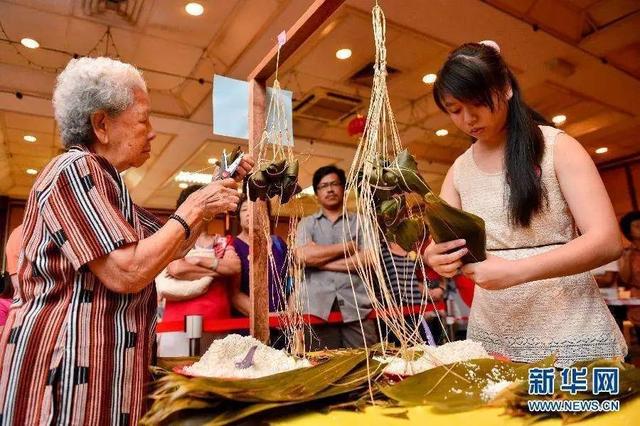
(356, 125)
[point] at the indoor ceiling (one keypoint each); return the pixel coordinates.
(579, 58)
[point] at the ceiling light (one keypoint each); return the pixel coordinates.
(31, 171)
(194, 9)
(559, 119)
(29, 138)
(30, 43)
(343, 54)
(193, 177)
(442, 132)
(602, 150)
(213, 161)
(183, 185)
(429, 78)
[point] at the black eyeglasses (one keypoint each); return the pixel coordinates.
(326, 185)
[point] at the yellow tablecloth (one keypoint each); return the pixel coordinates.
(629, 415)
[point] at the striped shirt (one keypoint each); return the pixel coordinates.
(401, 274)
(72, 351)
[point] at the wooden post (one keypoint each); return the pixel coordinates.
(310, 21)
(258, 273)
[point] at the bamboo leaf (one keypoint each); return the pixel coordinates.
(448, 223)
(452, 387)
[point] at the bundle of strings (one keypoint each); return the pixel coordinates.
(377, 160)
(276, 178)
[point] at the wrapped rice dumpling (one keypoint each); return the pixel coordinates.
(390, 182)
(407, 233)
(448, 223)
(279, 178)
(405, 168)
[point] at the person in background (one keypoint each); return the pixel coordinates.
(329, 285)
(606, 275)
(408, 289)
(629, 264)
(211, 257)
(277, 272)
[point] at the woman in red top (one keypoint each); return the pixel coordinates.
(222, 266)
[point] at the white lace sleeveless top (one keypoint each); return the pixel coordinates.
(565, 316)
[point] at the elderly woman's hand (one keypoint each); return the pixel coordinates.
(246, 164)
(218, 197)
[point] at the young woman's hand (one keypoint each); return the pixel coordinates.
(442, 259)
(494, 273)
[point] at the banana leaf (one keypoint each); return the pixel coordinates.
(287, 386)
(256, 186)
(289, 189)
(203, 403)
(390, 178)
(405, 168)
(392, 210)
(275, 179)
(276, 170)
(354, 382)
(406, 233)
(457, 387)
(448, 223)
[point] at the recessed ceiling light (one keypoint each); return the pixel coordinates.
(343, 54)
(30, 43)
(183, 185)
(29, 138)
(429, 78)
(559, 119)
(31, 171)
(602, 150)
(212, 161)
(194, 9)
(442, 132)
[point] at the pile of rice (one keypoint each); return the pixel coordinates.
(462, 350)
(492, 389)
(220, 359)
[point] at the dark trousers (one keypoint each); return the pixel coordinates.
(337, 336)
(413, 322)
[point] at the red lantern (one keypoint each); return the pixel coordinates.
(356, 125)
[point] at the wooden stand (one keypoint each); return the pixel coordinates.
(312, 19)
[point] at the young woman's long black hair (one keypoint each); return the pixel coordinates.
(474, 73)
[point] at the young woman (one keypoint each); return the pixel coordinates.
(548, 220)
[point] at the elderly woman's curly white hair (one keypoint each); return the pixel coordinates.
(88, 85)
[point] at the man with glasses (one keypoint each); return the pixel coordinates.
(331, 282)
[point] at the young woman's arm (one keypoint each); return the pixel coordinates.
(444, 258)
(599, 243)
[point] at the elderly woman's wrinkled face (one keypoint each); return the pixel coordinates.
(127, 136)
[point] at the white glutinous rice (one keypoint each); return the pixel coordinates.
(492, 389)
(462, 350)
(221, 358)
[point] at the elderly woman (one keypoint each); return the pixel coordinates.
(77, 348)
